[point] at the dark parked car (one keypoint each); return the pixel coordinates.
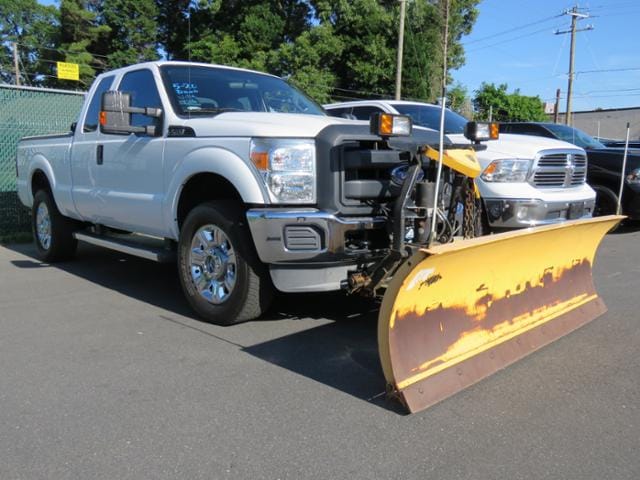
(603, 169)
(635, 144)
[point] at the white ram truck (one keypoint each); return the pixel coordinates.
(526, 181)
(234, 173)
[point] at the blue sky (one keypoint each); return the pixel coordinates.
(536, 61)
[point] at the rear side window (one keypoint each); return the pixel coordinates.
(144, 93)
(338, 112)
(364, 113)
(526, 129)
(91, 120)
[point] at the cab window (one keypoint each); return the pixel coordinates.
(91, 119)
(141, 85)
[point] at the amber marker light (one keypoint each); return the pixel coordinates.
(260, 160)
(103, 118)
(494, 131)
(386, 124)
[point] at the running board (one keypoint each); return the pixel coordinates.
(137, 245)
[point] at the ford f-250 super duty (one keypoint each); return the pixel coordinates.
(525, 182)
(247, 181)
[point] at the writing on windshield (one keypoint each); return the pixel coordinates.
(201, 90)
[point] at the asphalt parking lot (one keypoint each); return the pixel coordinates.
(106, 374)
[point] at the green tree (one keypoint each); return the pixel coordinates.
(368, 30)
(457, 96)
(424, 46)
(507, 106)
(133, 28)
(307, 62)
(33, 27)
(79, 31)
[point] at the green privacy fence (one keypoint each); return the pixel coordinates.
(26, 111)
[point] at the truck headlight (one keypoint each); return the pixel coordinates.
(511, 170)
(634, 177)
(288, 167)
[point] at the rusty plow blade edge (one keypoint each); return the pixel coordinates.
(456, 313)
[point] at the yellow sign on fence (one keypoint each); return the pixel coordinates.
(68, 71)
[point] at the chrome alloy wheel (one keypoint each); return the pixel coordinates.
(212, 261)
(43, 226)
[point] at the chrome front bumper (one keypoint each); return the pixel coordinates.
(304, 235)
(519, 213)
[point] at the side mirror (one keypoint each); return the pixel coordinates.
(481, 131)
(115, 115)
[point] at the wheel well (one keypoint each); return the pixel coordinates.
(39, 181)
(201, 188)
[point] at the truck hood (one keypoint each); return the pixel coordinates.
(262, 124)
(510, 145)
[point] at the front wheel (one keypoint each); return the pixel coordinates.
(221, 275)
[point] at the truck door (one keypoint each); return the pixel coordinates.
(84, 167)
(130, 171)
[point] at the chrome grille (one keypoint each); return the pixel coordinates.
(560, 170)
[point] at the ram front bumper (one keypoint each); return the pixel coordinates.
(520, 213)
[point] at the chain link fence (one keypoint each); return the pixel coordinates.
(26, 111)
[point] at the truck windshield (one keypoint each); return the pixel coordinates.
(200, 90)
(573, 135)
(429, 116)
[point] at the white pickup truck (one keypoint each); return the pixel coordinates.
(527, 181)
(237, 174)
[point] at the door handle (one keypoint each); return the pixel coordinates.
(100, 154)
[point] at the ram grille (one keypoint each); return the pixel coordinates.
(560, 170)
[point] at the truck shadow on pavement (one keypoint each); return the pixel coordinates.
(341, 353)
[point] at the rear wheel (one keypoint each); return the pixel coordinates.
(606, 201)
(221, 275)
(52, 231)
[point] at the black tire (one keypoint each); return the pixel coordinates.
(61, 245)
(606, 201)
(252, 291)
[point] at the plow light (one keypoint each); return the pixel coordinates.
(481, 131)
(390, 125)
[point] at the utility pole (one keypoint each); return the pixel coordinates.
(403, 7)
(556, 107)
(575, 16)
(16, 68)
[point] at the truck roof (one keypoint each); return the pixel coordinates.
(159, 63)
(378, 101)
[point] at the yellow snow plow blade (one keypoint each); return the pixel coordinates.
(456, 313)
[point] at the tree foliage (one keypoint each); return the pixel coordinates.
(33, 27)
(133, 28)
(507, 106)
(330, 48)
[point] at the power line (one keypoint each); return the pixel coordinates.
(546, 29)
(514, 29)
(60, 50)
(630, 69)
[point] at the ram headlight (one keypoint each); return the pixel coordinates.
(633, 178)
(288, 167)
(511, 170)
